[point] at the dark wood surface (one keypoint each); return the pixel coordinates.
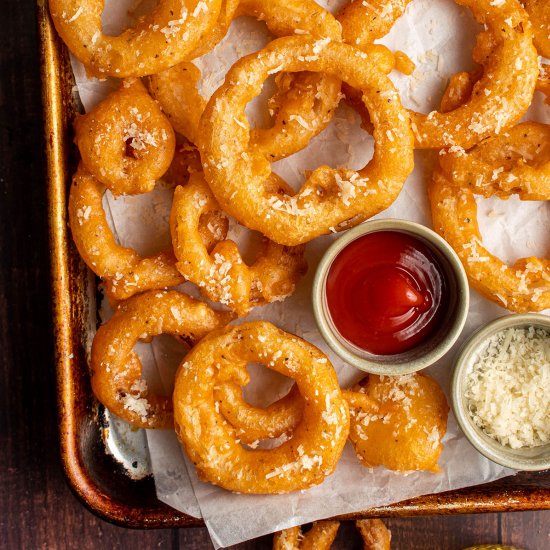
(37, 509)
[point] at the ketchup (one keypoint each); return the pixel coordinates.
(387, 292)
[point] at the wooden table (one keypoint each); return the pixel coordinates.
(37, 509)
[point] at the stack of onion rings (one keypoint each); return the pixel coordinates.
(123, 270)
(212, 443)
(304, 103)
(163, 38)
(330, 199)
(499, 97)
(222, 274)
(126, 142)
(116, 369)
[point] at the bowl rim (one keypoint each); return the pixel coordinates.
(499, 453)
(462, 304)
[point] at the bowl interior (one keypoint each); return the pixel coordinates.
(535, 458)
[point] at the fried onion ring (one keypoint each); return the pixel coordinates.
(161, 39)
(375, 536)
(278, 419)
(304, 103)
(126, 142)
(252, 424)
(459, 91)
(405, 432)
(123, 270)
(116, 368)
(501, 95)
(364, 22)
(212, 443)
(329, 199)
(539, 12)
(223, 276)
(516, 162)
(319, 537)
(522, 287)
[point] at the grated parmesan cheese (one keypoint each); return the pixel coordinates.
(508, 388)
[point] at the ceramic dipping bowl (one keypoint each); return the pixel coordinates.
(440, 340)
(525, 458)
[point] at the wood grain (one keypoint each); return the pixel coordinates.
(37, 510)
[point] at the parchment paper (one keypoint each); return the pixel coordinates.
(438, 35)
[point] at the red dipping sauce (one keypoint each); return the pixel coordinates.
(387, 292)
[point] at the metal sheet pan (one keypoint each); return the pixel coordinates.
(102, 483)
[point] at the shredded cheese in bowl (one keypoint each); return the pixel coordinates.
(508, 388)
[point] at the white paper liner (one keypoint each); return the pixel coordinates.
(438, 35)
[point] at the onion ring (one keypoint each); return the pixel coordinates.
(116, 369)
(459, 90)
(126, 142)
(304, 103)
(330, 199)
(211, 442)
(123, 270)
(503, 92)
(252, 424)
(516, 162)
(405, 432)
(374, 533)
(222, 275)
(161, 39)
(522, 287)
(364, 22)
(319, 537)
(540, 19)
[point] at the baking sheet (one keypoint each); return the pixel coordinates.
(426, 33)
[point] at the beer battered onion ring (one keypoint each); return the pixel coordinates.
(405, 432)
(116, 369)
(161, 39)
(522, 287)
(126, 142)
(252, 424)
(539, 12)
(304, 103)
(222, 275)
(322, 534)
(329, 199)
(499, 97)
(280, 418)
(376, 536)
(210, 440)
(123, 270)
(516, 162)
(319, 537)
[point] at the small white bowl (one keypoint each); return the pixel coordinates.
(526, 458)
(426, 353)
